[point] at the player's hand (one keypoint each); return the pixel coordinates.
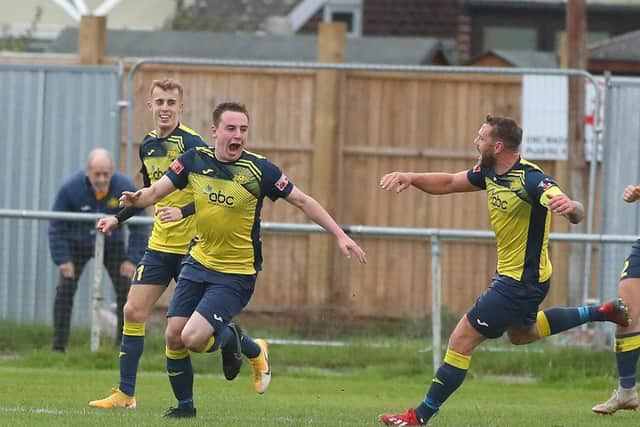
(400, 180)
(561, 204)
(169, 214)
(106, 225)
(67, 270)
(631, 193)
(348, 247)
(129, 198)
(127, 269)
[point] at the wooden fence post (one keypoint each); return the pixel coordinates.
(331, 48)
(92, 39)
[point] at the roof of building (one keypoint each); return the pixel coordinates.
(625, 47)
(252, 46)
(523, 58)
(247, 14)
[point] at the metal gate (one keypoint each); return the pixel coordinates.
(621, 167)
(51, 118)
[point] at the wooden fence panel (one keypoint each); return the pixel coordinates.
(417, 122)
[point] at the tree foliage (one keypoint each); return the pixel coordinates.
(23, 42)
(187, 20)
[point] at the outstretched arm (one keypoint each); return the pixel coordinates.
(149, 195)
(429, 182)
(316, 213)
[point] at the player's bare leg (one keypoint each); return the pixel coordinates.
(137, 309)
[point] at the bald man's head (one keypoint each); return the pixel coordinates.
(100, 170)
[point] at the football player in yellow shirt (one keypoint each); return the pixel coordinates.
(520, 199)
(229, 185)
(172, 232)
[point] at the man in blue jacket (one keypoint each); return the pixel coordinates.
(95, 189)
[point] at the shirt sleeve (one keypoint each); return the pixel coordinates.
(178, 171)
(188, 210)
(59, 245)
(194, 141)
(126, 213)
(146, 181)
(475, 175)
(541, 187)
(275, 184)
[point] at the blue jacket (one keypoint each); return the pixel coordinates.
(77, 195)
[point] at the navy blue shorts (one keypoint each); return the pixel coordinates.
(507, 302)
(216, 296)
(631, 266)
(157, 268)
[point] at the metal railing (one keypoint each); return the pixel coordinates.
(433, 235)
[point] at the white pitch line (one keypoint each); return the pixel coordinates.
(20, 409)
(318, 343)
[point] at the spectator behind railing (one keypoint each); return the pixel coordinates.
(95, 189)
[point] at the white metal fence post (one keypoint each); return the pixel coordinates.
(98, 257)
(436, 292)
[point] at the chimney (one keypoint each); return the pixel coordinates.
(463, 37)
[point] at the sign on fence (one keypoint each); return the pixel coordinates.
(545, 117)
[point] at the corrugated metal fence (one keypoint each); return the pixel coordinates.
(621, 158)
(51, 117)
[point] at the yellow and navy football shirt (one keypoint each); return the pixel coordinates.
(517, 202)
(156, 155)
(228, 197)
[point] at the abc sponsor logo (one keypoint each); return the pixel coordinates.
(219, 198)
(498, 203)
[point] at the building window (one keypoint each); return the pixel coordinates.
(349, 14)
(509, 38)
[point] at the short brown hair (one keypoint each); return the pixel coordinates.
(506, 130)
(167, 84)
(228, 106)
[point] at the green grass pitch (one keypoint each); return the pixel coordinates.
(312, 386)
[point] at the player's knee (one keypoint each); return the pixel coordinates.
(134, 312)
(192, 340)
(173, 338)
(518, 340)
(520, 337)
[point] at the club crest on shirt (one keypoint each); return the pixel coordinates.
(172, 154)
(546, 184)
(240, 178)
(282, 182)
(112, 203)
(177, 166)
